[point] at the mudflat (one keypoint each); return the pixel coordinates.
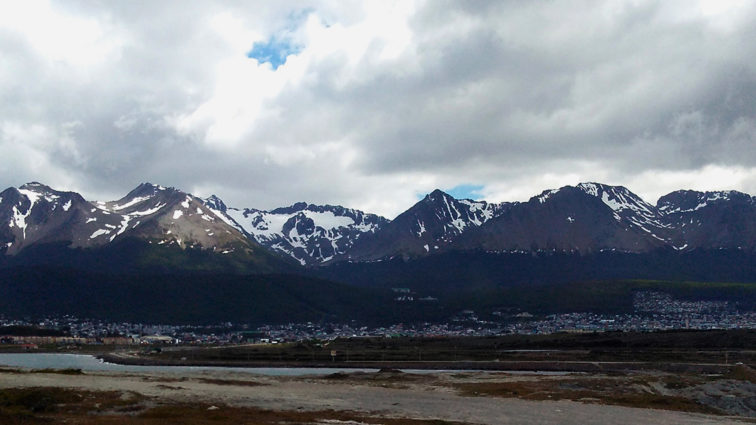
(388, 397)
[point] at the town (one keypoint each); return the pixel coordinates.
(652, 311)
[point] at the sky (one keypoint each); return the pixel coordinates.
(372, 104)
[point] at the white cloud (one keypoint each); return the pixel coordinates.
(57, 36)
(653, 184)
(380, 101)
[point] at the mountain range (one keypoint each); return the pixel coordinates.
(160, 254)
(586, 218)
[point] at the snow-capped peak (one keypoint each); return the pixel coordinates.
(32, 210)
(215, 203)
(36, 191)
(310, 233)
(457, 214)
(618, 198)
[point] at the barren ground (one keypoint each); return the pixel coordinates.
(387, 397)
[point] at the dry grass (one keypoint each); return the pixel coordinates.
(59, 371)
(55, 405)
(621, 391)
(56, 371)
(233, 382)
(742, 373)
(42, 405)
(386, 378)
(200, 415)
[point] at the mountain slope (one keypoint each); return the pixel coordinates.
(311, 234)
(39, 218)
(169, 216)
(587, 218)
(35, 213)
(192, 298)
(431, 224)
(710, 220)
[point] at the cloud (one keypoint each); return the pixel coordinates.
(367, 104)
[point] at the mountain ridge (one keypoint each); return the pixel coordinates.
(37, 216)
(588, 217)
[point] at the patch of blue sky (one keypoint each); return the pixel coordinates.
(279, 46)
(273, 51)
(466, 191)
(463, 191)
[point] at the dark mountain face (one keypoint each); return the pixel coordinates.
(198, 298)
(216, 204)
(164, 216)
(441, 246)
(682, 201)
(628, 207)
(35, 215)
(430, 225)
(587, 218)
(710, 220)
(453, 271)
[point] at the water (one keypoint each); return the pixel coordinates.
(89, 363)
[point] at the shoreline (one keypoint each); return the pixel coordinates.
(489, 366)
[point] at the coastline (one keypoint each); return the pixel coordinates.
(132, 359)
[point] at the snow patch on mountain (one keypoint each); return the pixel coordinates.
(19, 219)
(457, 215)
(225, 217)
(149, 211)
(311, 234)
(99, 232)
(124, 225)
(627, 207)
(421, 228)
(618, 198)
(546, 194)
(126, 205)
(328, 220)
(684, 201)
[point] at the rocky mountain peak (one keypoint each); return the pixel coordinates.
(587, 217)
(216, 203)
(681, 201)
(36, 186)
(148, 189)
(437, 195)
(291, 209)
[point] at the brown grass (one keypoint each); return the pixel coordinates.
(43, 404)
(55, 405)
(630, 392)
(387, 378)
(742, 373)
(230, 382)
(59, 371)
(56, 371)
(199, 415)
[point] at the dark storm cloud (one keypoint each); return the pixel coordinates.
(381, 101)
(632, 91)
